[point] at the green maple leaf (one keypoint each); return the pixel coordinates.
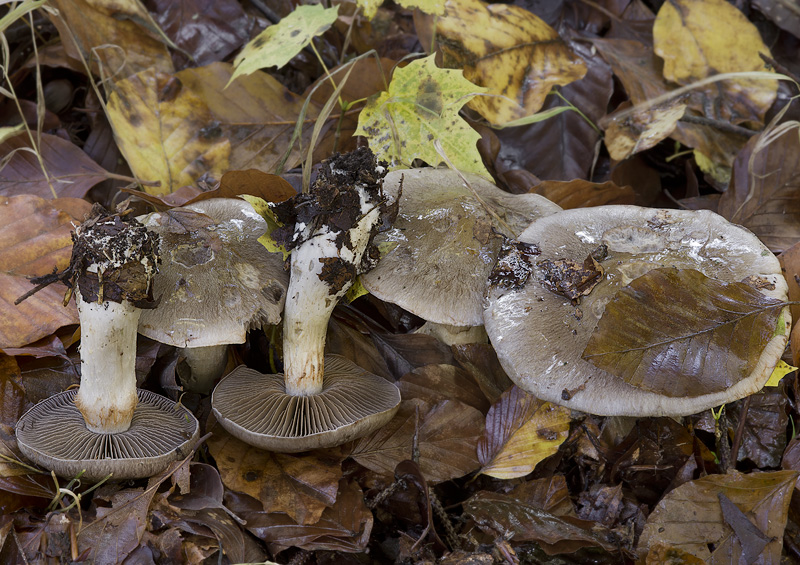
(279, 43)
(420, 107)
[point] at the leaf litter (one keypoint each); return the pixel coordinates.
(471, 469)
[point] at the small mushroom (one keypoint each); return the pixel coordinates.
(539, 330)
(319, 401)
(107, 426)
(215, 284)
(445, 243)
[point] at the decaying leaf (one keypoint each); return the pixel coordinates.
(117, 38)
(642, 130)
(175, 128)
(764, 194)
(420, 107)
(691, 519)
(301, 485)
(69, 172)
(581, 193)
(34, 240)
(571, 279)
(447, 434)
(280, 42)
(434, 383)
(669, 331)
(790, 265)
(700, 38)
(435, 7)
(510, 51)
(521, 430)
(502, 514)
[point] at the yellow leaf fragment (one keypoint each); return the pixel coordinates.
(718, 171)
(642, 130)
(422, 106)
(434, 7)
(509, 50)
(279, 43)
(781, 370)
(262, 208)
(701, 38)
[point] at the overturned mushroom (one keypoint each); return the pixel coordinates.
(445, 243)
(319, 401)
(107, 426)
(216, 283)
(541, 318)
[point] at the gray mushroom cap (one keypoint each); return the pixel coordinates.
(256, 409)
(539, 338)
(216, 281)
(53, 434)
(445, 246)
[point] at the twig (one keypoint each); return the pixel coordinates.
(718, 124)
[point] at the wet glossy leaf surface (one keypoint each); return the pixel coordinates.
(669, 331)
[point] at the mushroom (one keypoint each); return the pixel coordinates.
(445, 246)
(319, 401)
(539, 335)
(216, 283)
(107, 426)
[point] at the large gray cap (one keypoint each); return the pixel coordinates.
(539, 338)
(445, 243)
(215, 280)
(53, 434)
(256, 408)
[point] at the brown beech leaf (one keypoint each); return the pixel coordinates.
(764, 194)
(34, 240)
(447, 434)
(301, 485)
(501, 514)
(581, 193)
(12, 393)
(550, 494)
(433, 383)
(509, 50)
(670, 330)
(346, 526)
(790, 265)
(480, 361)
(521, 430)
(70, 171)
(691, 519)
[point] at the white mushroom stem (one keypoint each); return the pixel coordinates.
(454, 335)
(206, 365)
(309, 302)
(107, 396)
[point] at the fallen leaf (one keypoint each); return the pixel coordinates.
(765, 188)
(280, 42)
(34, 240)
(447, 434)
(345, 527)
(12, 395)
(502, 514)
(521, 430)
(690, 517)
(508, 50)
(434, 383)
(763, 438)
(480, 361)
(581, 193)
(68, 171)
(781, 370)
(790, 266)
(117, 38)
(642, 130)
(549, 493)
(435, 7)
(405, 352)
(701, 38)
(300, 485)
(420, 107)
(670, 330)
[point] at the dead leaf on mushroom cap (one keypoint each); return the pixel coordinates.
(680, 333)
(509, 50)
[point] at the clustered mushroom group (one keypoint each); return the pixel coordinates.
(458, 252)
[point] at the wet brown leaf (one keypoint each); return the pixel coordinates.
(690, 517)
(301, 485)
(520, 431)
(581, 193)
(550, 494)
(405, 352)
(480, 361)
(12, 393)
(346, 526)
(434, 383)
(508, 50)
(117, 38)
(764, 434)
(765, 188)
(790, 265)
(447, 435)
(501, 514)
(208, 30)
(70, 172)
(670, 330)
(34, 240)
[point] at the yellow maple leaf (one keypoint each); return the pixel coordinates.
(420, 107)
